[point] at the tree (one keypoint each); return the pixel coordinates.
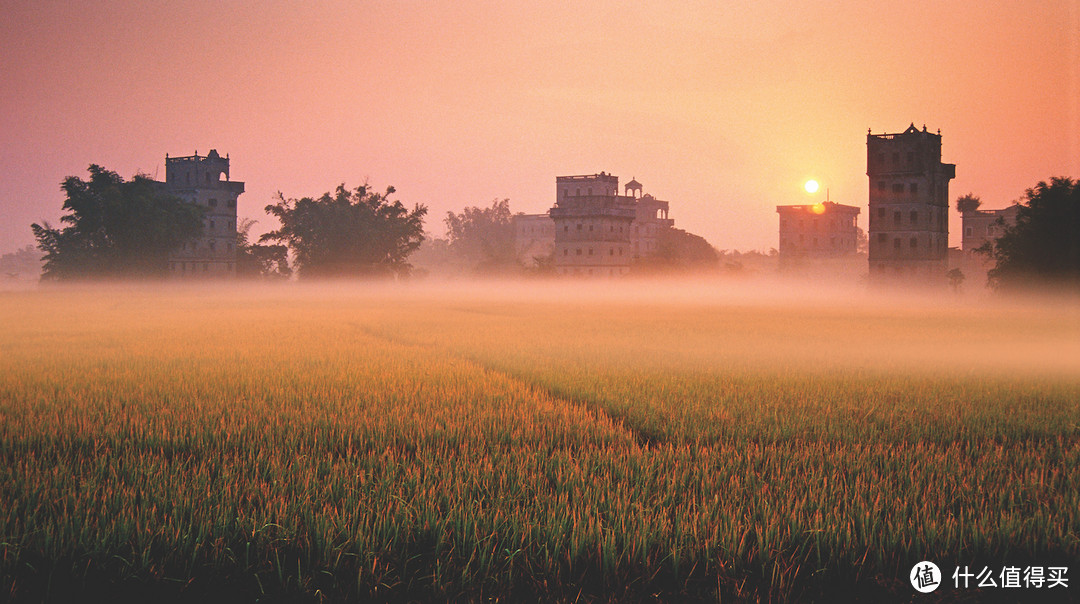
(483, 237)
(956, 279)
(20, 263)
(679, 250)
(968, 203)
(1043, 247)
(257, 260)
(356, 232)
(115, 228)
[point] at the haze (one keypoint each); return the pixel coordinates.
(724, 109)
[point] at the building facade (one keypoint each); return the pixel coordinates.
(909, 204)
(534, 237)
(983, 226)
(598, 232)
(592, 226)
(650, 220)
(204, 181)
(820, 230)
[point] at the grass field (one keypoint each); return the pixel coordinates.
(522, 443)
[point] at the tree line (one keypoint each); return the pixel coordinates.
(114, 228)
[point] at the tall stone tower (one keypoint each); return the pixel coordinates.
(592, 226)
(909, 205)
(204, 180)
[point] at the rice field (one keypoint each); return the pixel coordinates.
(521, 443)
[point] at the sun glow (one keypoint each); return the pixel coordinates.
(811, 186)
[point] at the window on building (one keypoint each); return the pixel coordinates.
(881, 159)
(590, 228)
(898, 187)
(578, 192)
(566, 252)
(896, 243)
(579, 226)
(881, 185)
(881, 238)
(914, 243)
(211, 225)
(579, 251)
(913, 187)
(914, 216)
(967, 231)
(566, 228)
(611, 251)
(896, 217)
(212, 246)
(590, 251)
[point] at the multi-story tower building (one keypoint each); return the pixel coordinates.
(592, 225)
(909, 204)
(820, 230)
(204, 180)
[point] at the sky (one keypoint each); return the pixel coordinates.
(723, 108)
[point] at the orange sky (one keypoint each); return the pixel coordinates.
(722, 108)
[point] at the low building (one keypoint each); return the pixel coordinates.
(983, 226)
(534, 237)
(650, 220)
(820, 230)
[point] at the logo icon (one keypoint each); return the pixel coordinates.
(925, 577)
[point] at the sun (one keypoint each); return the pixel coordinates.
(811, 186)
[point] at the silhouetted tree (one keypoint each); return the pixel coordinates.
(25, 262)
(678, 250)
(956, 279)
(968, 203)
(351, 233)
(259, 260)
(115, 228)
(1043, 247)
(483, 237)
(862, 241)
